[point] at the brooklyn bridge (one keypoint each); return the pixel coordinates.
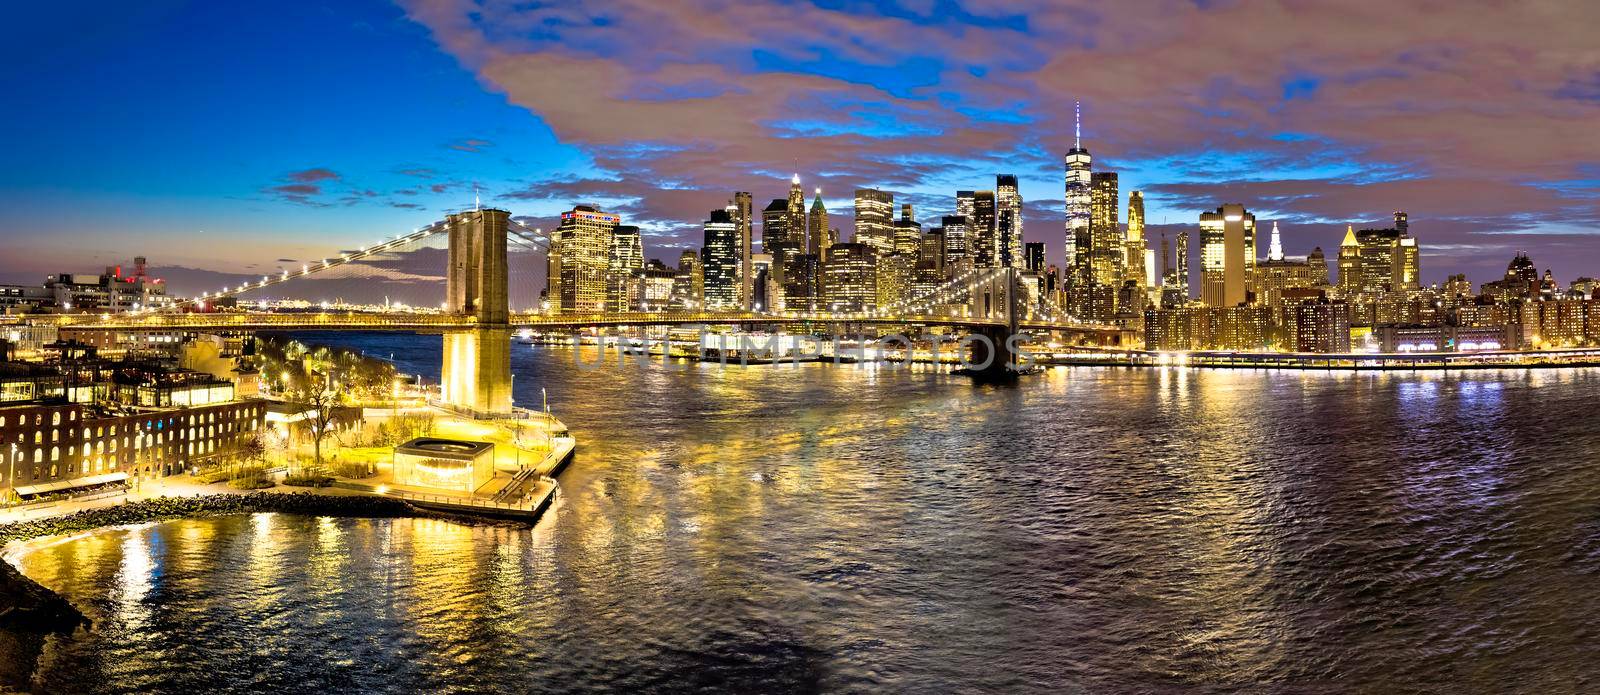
(477, 323)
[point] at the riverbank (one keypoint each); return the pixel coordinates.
(169, 508)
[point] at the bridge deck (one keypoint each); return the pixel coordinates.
(259, 321)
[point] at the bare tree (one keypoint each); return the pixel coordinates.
(320, 401)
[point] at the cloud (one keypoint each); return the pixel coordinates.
(304, 186)
(1322, 113)
(313, 175)
(471, 145)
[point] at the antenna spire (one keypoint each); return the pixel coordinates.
(1077, 125)
(476, 203)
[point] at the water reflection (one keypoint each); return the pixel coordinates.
(819, 527)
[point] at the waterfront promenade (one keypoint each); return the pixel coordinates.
(537, 474)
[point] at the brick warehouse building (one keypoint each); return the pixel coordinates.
(49, 448)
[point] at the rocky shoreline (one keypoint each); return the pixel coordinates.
(30, 612)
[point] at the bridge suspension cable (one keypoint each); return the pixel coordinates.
(308, 269)
(530, 235)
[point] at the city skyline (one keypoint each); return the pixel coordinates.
(1317, 136)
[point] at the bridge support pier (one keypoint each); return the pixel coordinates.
(989, 355)
(476, 375)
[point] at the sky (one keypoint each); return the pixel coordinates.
(226, 140)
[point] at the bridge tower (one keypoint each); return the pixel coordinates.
(476, 375)
(995, 298)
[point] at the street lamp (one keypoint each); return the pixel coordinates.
(11, 478)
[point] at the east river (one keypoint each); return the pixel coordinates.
(845, 529)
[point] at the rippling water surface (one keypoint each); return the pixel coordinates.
(855, 529)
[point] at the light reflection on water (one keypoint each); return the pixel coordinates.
(821, 527)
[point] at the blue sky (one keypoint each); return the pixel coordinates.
(221, 137)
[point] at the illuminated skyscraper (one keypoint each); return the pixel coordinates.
(720, 259)
(1166, 259)
(956, 243)
(849, 277)
(1079, 198)
(875, 220)
(893, 275)
(585, 250)
(1409, 273)
(964, 204)
(821, 235)
(1182, 261)
(742, 204)
(1349, 263)
(1275, 247)
(1008, 220)
(1139, 258)
(1227, 255)
(931, 254)
(1033, 257)
(1276, 279)
(688, 286)
(797, 213)
(981, 230)
(775, 226)
(801, 282)
(1107, 246)
(625, 257)
(907, 232)
(1381, 259)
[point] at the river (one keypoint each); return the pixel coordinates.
(846, 529)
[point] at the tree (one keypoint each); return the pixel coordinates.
(320, 401)
(253, 451)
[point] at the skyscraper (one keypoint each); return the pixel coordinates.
(1410, 270)
(849, 277)
(875, 220)
(820, 235)
(1033, 256)
(1227, 253)
(1078, 165)
(931, 254)
(1349, 263)
(742, 204)
(981, 231)
(907, 232)
(1008, 220)
(797, 213)
(1166, 259)
(964, 204)
(1381, 259)
(1139, 259)
(585, 239)
(801, 282)
(956, 245)
(625, 257)
(688, 285)
(719, 256)
(1275, 247)
(1182, 260)
(775, 225)
(1107, 247)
